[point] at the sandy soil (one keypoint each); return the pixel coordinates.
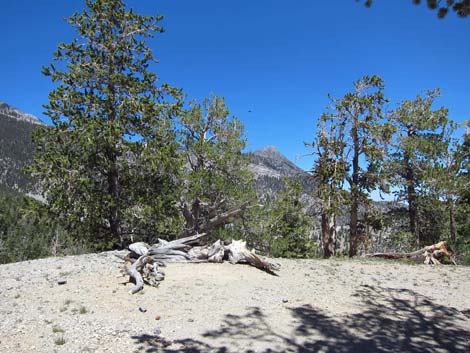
(312, 306)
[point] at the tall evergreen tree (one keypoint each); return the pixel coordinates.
(329, 173)
(422, 139)
(111, 126)
(363, 137)
(463, 200)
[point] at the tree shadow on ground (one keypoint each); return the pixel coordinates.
(392, 320)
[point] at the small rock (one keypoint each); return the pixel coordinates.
(190, 320)
(285, 300)
(142, 309)
(157, 331)
(61, 281)
(157, 317)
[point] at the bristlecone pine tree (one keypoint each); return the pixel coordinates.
(217, 185)
(110, 156)
(422, 140)
(360, 141)
(329, 173)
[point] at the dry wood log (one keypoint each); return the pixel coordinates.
(198, 253)
(429, 254)
(145, 267)
(216, 252)
(238, 253)
(139, 248)
(143, 261)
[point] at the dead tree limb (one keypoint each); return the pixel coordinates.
(224, 217)
(238, 253)
(429, 254)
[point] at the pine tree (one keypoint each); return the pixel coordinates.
(356, 122)
(111, 149)
(422, 139)
(217, 186)
(290, 230)
(329, 173)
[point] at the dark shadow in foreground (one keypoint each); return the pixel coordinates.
(393, 320)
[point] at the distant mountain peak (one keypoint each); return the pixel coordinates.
(269, 161)
(271, 148)
(270, 152)
(13, 113)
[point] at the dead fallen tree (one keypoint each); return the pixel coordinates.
(143, 262)
(429, 254)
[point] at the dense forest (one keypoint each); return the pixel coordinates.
(129, 158)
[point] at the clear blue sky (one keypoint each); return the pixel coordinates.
(278, 59)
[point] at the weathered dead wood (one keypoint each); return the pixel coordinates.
(198, 253)
(216, 252)
(429, 254)
(143, 260)
(145, 267)
(193, 215)
(238, 253)
(224, 218)
(139, 248)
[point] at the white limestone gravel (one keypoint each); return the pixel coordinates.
(311, 306)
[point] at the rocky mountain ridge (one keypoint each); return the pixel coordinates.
(268, 165)
(7, 111)
(16, 148)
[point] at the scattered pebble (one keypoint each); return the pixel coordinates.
(142, 309)
(61, 281)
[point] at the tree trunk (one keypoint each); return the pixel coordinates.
(193, 220)
(411, 195)
(452, 231)
(354, 192)
(113, 173)
(113, 190)
(328, 229)
(412, 202)
(223, 218)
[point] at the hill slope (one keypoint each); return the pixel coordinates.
(16, 148)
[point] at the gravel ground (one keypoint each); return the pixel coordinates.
(312, 306)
